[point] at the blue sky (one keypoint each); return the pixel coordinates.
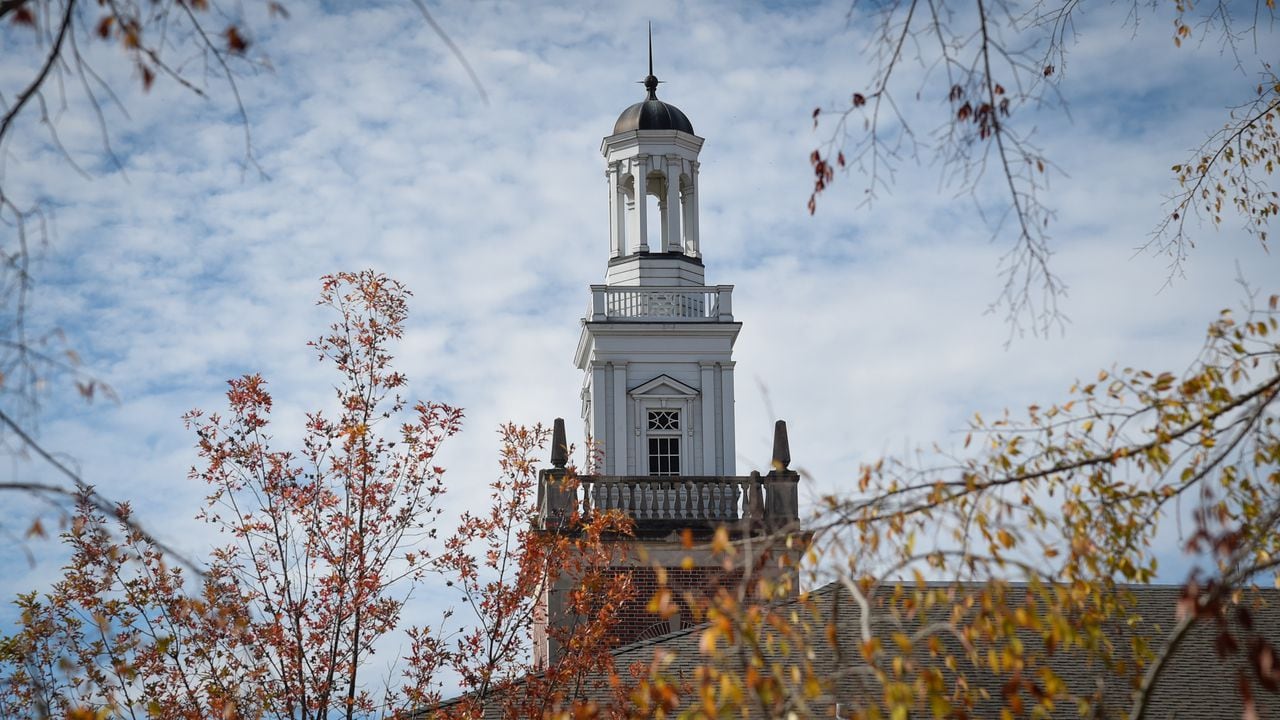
(864, 327)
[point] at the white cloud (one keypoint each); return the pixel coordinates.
(864, 325)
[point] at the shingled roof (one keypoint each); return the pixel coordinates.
(1195, 683)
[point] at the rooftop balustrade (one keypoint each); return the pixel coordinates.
(661, 304)
(669, 502)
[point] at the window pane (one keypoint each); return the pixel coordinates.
(664, 456)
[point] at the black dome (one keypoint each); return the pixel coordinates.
(652, 114)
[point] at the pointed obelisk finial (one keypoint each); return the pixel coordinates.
(781, 446)
(559, 445)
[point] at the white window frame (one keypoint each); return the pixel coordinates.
(663, 393)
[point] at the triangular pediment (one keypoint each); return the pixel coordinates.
(664, 385)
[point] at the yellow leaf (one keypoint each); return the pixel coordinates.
(720, 543)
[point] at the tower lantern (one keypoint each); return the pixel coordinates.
(652, 152)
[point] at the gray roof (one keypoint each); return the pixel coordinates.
(1196, 683)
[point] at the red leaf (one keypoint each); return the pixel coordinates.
(859, 100)
(23, 16)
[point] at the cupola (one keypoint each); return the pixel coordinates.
(651, 167)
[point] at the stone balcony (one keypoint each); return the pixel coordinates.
(662, 504)
(645, 303)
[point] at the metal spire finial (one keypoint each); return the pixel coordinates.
(651, 82)
(650, 47)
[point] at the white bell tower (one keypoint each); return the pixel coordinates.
(657, 345)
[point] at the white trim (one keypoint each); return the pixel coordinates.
(678, 387)
(708, 435)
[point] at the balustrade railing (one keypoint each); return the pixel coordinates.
(675, 498)
(673, 501)
(679, 304)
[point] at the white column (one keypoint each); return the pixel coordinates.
(615, 227)
(726, 389)
(671, 166)
(709, 433)
(618, 453)
(597, 424)
(639, 235)
(692, 243)
(663, 225)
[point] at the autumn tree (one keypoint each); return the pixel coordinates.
(505, 566)
(323, 546)
(1011, 577)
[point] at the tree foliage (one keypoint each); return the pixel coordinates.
(323, 545)
(996, 66)
(968, 579)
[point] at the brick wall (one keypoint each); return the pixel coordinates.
(699, 584)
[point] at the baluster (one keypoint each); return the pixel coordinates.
(702, 502)
(755, 501)
(664, 510)
(584, 485)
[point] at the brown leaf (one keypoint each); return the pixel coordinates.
(104, 26)
(235, 41)
(23, 16)
(1244, 617)
(1225, 644)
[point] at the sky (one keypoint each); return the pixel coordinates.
(865, 327)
